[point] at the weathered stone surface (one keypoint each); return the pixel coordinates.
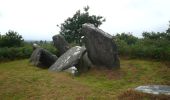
(100, 46)
(154, 89)
(42, 58)
(35, 46)
(60, 43)
(73, 70)
(84, 64)
(68, 59)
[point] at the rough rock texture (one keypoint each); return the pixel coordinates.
(60, 43)
(42, 58)
(73, 70)
(154, 89)
(35, 46)
(100, 46)
(84, 64)
(68, 59)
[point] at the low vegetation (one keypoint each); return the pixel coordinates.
(21, 81)
(25, 51)
(153, 45)
(11, 53)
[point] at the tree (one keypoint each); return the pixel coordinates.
(71, 28)
(156, 35)
(0, 39)
(168, 30)
(128, 38)
(151, 35)
(11, 39)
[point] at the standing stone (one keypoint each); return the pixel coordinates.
(42, 58)
(68, 59)
(60, 43)
(100, 46)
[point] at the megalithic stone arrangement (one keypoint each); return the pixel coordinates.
(100, 50)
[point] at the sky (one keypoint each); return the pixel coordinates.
(38, 19)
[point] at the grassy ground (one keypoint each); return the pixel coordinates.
(21, 81)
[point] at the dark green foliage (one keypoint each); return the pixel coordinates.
(168, 30)
(128, 38)
(50, 48)
(156, 36)
(151, 46)
(11, 39)
(11, 53)
(71, 28)
(46, 45)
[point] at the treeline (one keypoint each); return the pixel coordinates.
(153, 45)
(13, 46)
(11, 39)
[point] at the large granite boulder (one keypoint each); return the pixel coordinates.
(60, 43)
(42, 58)
(68, 59)
(100, 46)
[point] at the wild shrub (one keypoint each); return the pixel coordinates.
(11, 39)
(154, 47)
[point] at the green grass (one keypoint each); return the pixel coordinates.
(21, 81)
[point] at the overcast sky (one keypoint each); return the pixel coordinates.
(37, 19)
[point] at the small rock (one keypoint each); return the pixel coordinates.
(154, 89)
(73, 70)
